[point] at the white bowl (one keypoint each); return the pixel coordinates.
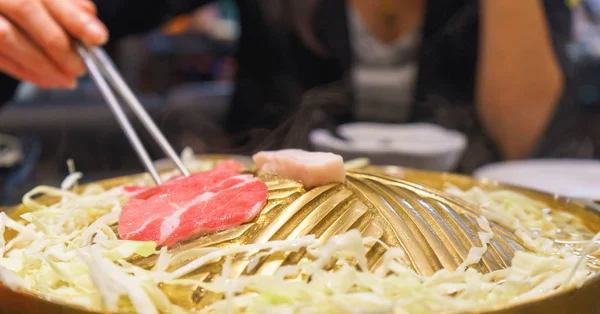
(417, 145)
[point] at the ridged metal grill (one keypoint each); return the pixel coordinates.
(435, 230)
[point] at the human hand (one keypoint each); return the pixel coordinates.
(36, 39)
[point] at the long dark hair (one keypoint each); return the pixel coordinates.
(296, 16)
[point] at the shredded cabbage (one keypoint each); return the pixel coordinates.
(71, 181)
(69, 252)
(476, 253)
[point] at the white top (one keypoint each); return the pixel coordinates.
(384, 75)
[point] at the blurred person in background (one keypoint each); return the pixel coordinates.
(496, 70)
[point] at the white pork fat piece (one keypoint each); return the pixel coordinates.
(312, 169)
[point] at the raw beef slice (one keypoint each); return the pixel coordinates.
(186, 206)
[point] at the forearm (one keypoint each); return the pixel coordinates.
(519, 81)
(126, 17)
(122, 17)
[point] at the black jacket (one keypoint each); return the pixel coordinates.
(276, 69)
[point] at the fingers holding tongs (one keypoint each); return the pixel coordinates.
(105, 75)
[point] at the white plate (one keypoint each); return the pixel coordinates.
(566, 177)
(410, 138)
(415, 145)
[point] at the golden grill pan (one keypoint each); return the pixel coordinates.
(401, 207)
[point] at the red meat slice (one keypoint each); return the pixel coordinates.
(231, 165)
(144, 192)
(186, 206)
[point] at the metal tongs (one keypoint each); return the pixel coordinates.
(105, 75)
